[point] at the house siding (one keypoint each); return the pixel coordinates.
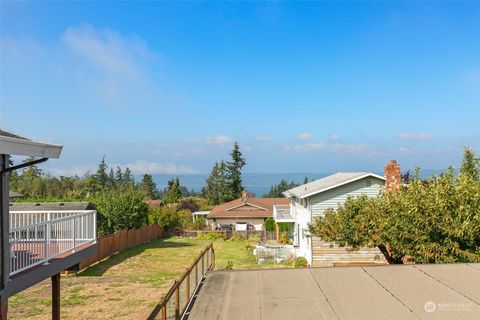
(369, 186)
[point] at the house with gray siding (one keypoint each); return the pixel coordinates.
(310, 201)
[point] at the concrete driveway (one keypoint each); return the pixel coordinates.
(442, 291)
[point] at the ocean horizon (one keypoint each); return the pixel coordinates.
(258, 183)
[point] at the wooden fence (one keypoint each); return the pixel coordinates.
(178, 299)
(227, 234)
(121, 240)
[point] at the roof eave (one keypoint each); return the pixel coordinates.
(22, 147)
(342, 184)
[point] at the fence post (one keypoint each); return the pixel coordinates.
(177, 301)
(164, 312)
(208, 258)
(196, 274)
(188, 284)
(203, 264)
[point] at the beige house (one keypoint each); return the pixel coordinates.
(243, 214)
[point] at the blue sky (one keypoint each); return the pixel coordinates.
(304, 87)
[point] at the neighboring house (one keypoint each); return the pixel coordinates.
(51, 206)
(154, 204)
(245, 213)
(13, 195)
(198, 214)
(310, 200)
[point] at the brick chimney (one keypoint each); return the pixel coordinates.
(392, 173)
(244, 196)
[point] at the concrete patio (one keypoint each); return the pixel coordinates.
(442, 291)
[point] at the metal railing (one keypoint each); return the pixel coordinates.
(39, 236)
(178, 299)
(281, 213)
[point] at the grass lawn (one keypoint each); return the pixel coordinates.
(129, 284)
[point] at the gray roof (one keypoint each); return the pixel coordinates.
(11, 135)
(327, 183)
(13, 194)
(51, 206)
(13, 144)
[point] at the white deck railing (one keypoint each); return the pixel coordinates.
(38, 236)
(281, 213)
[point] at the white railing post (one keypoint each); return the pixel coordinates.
(94, 226)
(73, 234)
(46, 229)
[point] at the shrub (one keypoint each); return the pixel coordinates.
(119, 209)
(254, 239)
(199, 223)
(166, 216)
(270, 224)
(188, 204)
(229, 265)
(237, 237)
(210, 236)
(301, 262)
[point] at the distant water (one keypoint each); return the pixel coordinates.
(259, 183)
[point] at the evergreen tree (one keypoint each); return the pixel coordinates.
(101, 176)
(210, 191)
(305, 181)
(111, 178)
(471, 164)
(216, 189)
(118, 175)
(234, 173)
(128, 179)
(32, 171)
(276, 191)
(148, 187)
(173, 192)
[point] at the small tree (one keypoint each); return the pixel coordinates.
(470, 165)
(270, 224)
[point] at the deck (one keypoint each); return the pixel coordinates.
(43, 244)
(444, 291)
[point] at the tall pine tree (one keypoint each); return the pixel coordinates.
(148, 187)
(234, 172)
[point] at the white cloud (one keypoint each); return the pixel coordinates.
(79, 170)
(304, 136)
(334, 137)
(415, 136)
(308, 147)
(219, 139)
(264, 138)
(107, 50)
(349, 148)
(142, 167)
(110, 66)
